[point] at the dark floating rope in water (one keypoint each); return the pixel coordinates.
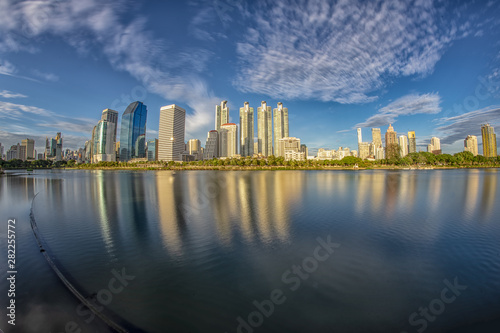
(68, 284)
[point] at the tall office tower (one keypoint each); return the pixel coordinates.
(264, 129)
(88, 151)
(1, 151)
(211, 145)
(360, 137)
(221, 115)
(403, 145)
(133, 132)
(376, 138)
(171, 133)
(228, 138)
(412, 142)
(304, 149)
(489, 141)
(13, 153)
(152, 148)
(470, 144)
(280, 118)
(104, 137)
(391, 143)
(246, 129)
(59, 147)
(194, 148)
(29, 150)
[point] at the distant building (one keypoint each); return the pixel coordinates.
(246, 129)
(360, 136)
(13, 153)
(380, 153)
(289, 148)
(1, 151)
(403, 145)
(211, 145)
(280, 119)
(229, 140)
(364, 150)
(40, 156)
(133, 132)
(303, 149)
(376, 139)
(28, 150)
(194, 149)
(489, 140)
(391, 143)
(264, 130)
(470, 144)
(436, 145)
(412, 142)
(104, 137)
(221, 116)
(171, 133)
(152, 150)
(59, 147)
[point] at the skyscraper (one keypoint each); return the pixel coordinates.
(1, 151)
(152, 150)
(246, 129)
(412, 142)
(376, 137)
(194, 148)
(403, 145)
(436, 145)
(489, 140)
(470, 144)
(391, 143)
(171, 133)
(221, 115)
(211, 145)
(228, 140)
(264, 129)
(105, 137)
(59, 146)
(133, 132)
(360, 137)
(280, 118)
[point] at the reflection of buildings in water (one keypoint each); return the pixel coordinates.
(285, 194)
(245, 202)
(105, 199)
(471, 193)
(264, 212)
(222, 203)
(172, 222)
(377, 193)
(362, 187)
(407, 190)
(488, 193)
(392, 181)
(434, 195)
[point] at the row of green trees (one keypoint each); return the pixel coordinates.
(413, 159)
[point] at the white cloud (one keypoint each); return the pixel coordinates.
(457, 128)
(405, 106)
(15, 111)
(342, 51)
(46, 76)
(7, 68)
(10, 94)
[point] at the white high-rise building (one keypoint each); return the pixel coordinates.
(264, 129)
(221, 115)
(436, 143)
(246, 129)
(280, 118)
(171, 133)
(228, 140)
(289, 148)
(403, 145)
(470, 144)
(104, 137)
(360, 136)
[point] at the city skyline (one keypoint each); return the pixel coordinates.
(425, 67)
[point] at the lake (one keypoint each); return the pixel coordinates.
(256, 251)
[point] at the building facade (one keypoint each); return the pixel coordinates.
(104, 137)
(152, 147)
(171, 133)
(489, 140)
(412, 142)
(246, 129)
(289, 148)
(391, 143)
(229, 140)
(133, 132)
(403, 145)
(29, 149)
(211, 145)
(264, 130)
(280, 119)
(470, 144)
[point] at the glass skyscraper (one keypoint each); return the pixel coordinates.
(133, 132)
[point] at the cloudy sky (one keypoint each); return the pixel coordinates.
(428, 66)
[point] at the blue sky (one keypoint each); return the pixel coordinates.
(428, 66)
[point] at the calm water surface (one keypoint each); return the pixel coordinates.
(204, 250)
